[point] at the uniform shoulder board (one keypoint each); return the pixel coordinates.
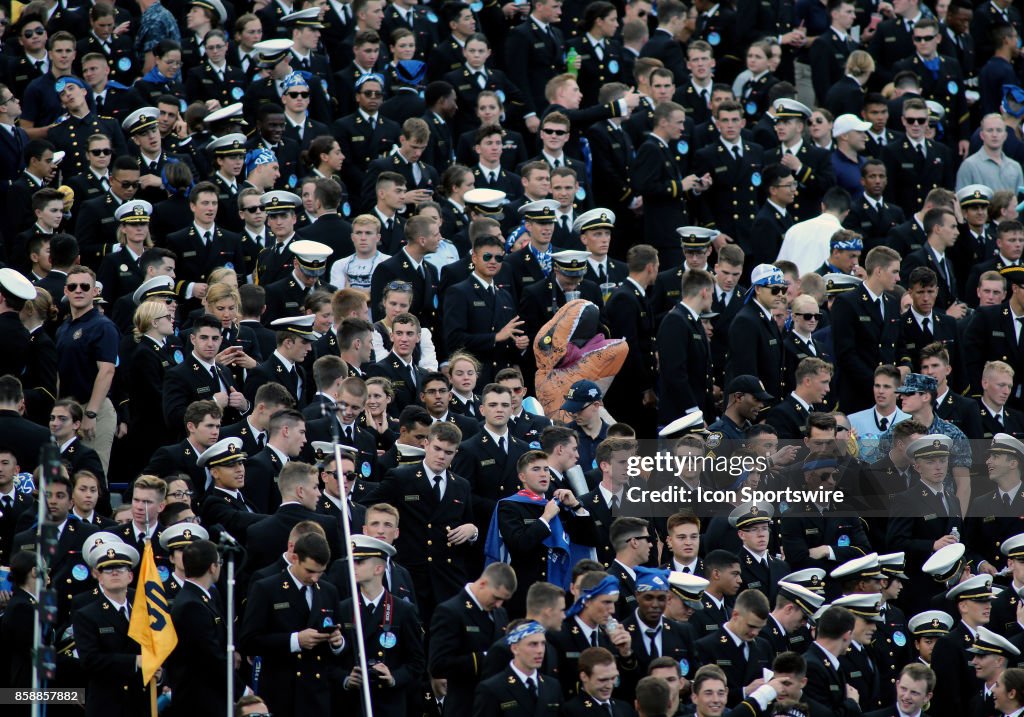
(182, 142)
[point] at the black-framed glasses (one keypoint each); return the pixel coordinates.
(915, 120)
(786, 185)
(555, 132)
(179, 494)
(297, 95)
(253, 210)
(4, 102)
(37, 32)
(648, 538)
(101, 152)
(488, 256)
(924, 38)
(809, 317)
(371, 93)
(74, 286)
(399, 286)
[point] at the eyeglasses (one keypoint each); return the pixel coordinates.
(114, 570)
(101, 152)
(777, 290)
(555, 132)
(297, 95)
(72, 287)
(371, 93)
(253, 210)
(488, 256)
(172, 63)
(924, 38)
(129, 185)
(158, 318)
(786, 185)
(179, 494)
(398, 286)
(809, 317)
(819, 120)
(4, 102)
(648, 538)
(350, 475)
(216, 48)
(915, 120)
(29, 33)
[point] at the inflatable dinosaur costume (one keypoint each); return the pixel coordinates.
(570, 347)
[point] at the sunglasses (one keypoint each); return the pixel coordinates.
(253, 210)
(915, 120)
(488, 256)
(129, 185)
(297, 95)
(372, 93)
(29, 33)
(114, 570)
(101, 152)
(924, 38)
(351, 476)
(809, 317)
(72, 287)
(158, 318)
(555, 132)
(777, 290)
(399, 286)
(648, 538)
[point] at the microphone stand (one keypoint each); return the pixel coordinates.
(346, 537)
(229, 548)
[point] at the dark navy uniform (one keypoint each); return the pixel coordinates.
(532, 57)
(107, 656)
(828, 57)
(190, 381)
(490, 471)
(506, 694)
(202, 84)
(862, 340)
(71, 135)
(685, 365)
(873, 221)
(720, 649)
(826, 684)
(362, 143)
(755, 348)
(814, 178)
(912, 176)
(991, 336)
(657, 175)
(731, 204)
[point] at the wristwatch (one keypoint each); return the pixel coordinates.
(90, 414)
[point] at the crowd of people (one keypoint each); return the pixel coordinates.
(495, 251)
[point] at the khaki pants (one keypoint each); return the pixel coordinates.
(106, 429)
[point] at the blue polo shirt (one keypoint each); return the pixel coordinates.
(587, 446)
(81, 343)
(848, 173)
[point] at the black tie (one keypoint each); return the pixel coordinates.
(944, 272)
(531, 686)
(704, 96)
(207, 236)
(920, 150)
(501, 444)
(124, 613)
(7, 502)
(100, 101)
(216, 378)
(480, 81)
(736, 153)
(348, 435)
(686, 569)
(593, 638)
(926, 328)
(153, 167)
(390, 223)
(883, 423)
(142, 538)
(492, 177)
(602, 275)
(1006, 501)
(565, 222)
(261, 441)
(615, 502)
(999, 418)
(878, 303)
(651, 634)
(437, 488)
(303, 591)
(39, 65)
(1020, 330)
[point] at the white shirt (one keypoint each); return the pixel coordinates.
(442, 485)
(607, 494)
(806, 243)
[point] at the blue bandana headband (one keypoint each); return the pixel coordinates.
(849, 245)
(294, 79)
(820, 463)
(257, 157)
(651, 579)
(608, 586)
(524, 631)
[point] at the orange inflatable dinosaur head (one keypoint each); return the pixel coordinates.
(569, 348)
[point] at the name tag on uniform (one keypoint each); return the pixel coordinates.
(472, 628)
(834, 688)
(911, 346)
(397, 383)
(930, 516)
(855, 674)
(479, 303)
(988, 519)
(773, 342)
(576, 655)
(360, 138)
(754, 585)
(1000, 334)
(630, 598)
(188, 254)
(411, 498)
(696, 337)
(290, 304)
(538, 45)
(106, 220)
(527, 521)
(864, 318)
(811, 531)
(281, 605)
(106, 630)
(203, 389)
(509, 705)
(723, 663)
(719, 170)
(907, 165)
(488, 462)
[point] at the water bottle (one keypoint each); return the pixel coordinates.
(955, 532)
(570, 62)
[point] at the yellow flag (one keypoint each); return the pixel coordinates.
(151, 624)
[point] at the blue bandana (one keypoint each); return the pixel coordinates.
(258, 156)
(648, 579)
(543, 259)
(608, 586)
(1015, 93)
(523, 631)
(821, 463)
(294, 79)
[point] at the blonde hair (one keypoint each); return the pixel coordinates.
(145, 317)
(220, 291)
(147, 242)
(222, 273)
(367, 219)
